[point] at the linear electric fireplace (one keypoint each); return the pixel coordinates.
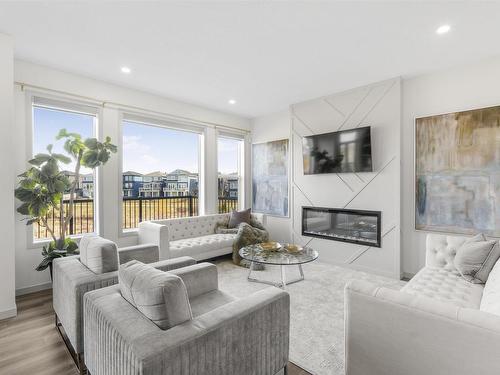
(355, 226)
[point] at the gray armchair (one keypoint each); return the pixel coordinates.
(74, 276)
(224, 336)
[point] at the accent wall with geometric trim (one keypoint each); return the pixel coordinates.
(378, 106)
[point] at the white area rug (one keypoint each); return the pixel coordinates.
(317, 308)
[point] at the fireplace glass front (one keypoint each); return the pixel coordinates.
(355, 226)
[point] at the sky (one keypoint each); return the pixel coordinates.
(149, 148)
(145, 148)
(46, 126)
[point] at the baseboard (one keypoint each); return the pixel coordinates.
(33, 289)
(8, 313)
(407, 276)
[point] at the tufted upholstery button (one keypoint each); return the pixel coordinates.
(445, 285)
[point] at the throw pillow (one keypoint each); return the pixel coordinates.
(160, 296)
(490, 302)
(476, 258)
(98, 254)
(238, 217)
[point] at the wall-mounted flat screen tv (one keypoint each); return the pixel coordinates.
(345, 151)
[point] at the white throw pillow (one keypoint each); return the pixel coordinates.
(491, 294)
(160, 296)
(475, 259)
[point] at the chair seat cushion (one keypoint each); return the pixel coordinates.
(445, 285)
(209, 301)
(202, 244)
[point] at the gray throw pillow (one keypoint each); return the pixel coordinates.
(98, 254)
(160, 296)
(238, 217)
(475, 259)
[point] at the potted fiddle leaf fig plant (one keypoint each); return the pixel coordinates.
(41, 189)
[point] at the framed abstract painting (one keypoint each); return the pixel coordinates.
(270, 178)
(457, 172)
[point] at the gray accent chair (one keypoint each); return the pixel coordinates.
(224, 335)
(72, 279)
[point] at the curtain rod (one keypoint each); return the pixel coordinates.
(103, 104)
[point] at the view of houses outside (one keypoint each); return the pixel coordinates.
(158, 195)
(178, 183)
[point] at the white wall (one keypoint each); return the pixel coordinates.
(271, 128)
(7, 254)
(27, 279)
(468, 87)
(378, 106)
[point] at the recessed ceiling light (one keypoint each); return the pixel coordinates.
(126, 70)
(231, 101)
(443, 29)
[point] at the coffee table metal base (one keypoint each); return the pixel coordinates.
(283, 282)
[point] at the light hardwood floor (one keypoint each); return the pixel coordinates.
(30, 343)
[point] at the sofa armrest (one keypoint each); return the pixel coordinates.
(174, 263)
(246, 336)
(71, 281)
(388, 332)
(145, 253)
(156, 234)
(199, 279)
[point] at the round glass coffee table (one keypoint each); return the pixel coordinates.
(281, 257)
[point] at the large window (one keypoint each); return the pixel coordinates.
(229, 181)
(160, 173)
(48, 119)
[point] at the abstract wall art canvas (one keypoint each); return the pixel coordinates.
(457, 167)
(270, 178)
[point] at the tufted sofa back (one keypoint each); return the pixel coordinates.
(193, 226)
(441, 250)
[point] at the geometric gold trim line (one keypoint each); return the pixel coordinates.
(377, 103)
(356, 257)
(334, 108)
(346, 184)
(364, 187)
(298, 187)
(301, 121)
(355, 108)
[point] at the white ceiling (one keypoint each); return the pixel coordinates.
(266, 55)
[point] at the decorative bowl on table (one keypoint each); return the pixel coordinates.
(270, 246)
(292, 248)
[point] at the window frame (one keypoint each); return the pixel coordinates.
(242, 162)
(162, 123)
(65, 103)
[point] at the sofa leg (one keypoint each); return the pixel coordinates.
(285, 370)
(77, 357)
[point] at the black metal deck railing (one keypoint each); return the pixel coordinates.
(134, 210)
(82, 222)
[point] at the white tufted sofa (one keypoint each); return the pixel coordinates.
(194, 236)
(438, 323)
